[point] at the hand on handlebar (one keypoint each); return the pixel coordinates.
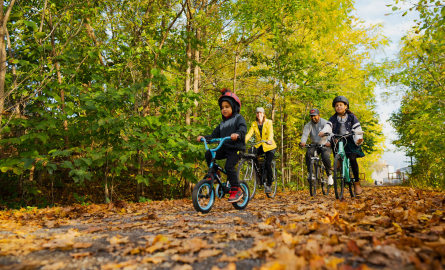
(328, 145)
(302, 144)
(359, 141)
(234, 136)
(269, 142)
(199, 138)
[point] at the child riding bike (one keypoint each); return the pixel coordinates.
(234, 125)
(342, 122)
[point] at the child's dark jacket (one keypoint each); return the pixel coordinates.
(234, 124)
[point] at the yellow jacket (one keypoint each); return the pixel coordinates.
(267, 135)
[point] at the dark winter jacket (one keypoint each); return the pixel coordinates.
(233, 124)
(351, 124)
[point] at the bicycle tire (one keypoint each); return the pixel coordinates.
(274, 183)
(246, 172)
(351, 183)
(200, 203)
(323, 180)
(351, 189)
(312, 180)
(242, 204)
(339, 181)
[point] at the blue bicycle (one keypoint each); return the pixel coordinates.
(204, 194)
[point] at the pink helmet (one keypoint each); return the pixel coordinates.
(227, 94)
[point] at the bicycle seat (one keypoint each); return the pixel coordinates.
(249, 155)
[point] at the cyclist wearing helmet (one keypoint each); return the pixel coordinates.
(263, 129)
(312, 129)
(342, 122)
(233, 125)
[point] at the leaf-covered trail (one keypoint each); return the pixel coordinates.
(388, 227)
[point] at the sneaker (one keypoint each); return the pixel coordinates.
(236, 194)
(357, 188)
(267, 189)
(330, 180)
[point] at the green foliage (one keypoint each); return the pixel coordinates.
(109, 99)
(421, 117)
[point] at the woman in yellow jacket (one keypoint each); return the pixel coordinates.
(263, 129)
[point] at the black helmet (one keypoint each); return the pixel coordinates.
(340, 99)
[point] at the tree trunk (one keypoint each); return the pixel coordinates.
(14, 72)
(196, 75)
(59, 79)
(282, 146)
(189, 66)
(3, 20)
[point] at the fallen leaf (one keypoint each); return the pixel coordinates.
(118, 240)
(208, 253)
(82, 245)
(81, 254)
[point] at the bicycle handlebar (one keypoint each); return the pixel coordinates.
(263, 141)
(344, 135)
(216, 140)
(313, 145)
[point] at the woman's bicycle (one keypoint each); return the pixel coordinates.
(317, 171)
(204, 194)
(342, 167)
(254, 174)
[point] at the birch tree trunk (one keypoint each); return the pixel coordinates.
(196, 75)
(3, 20)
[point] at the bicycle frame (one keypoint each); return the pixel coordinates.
(345, 161)
(214, 167)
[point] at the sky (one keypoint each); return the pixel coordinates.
(394, 27)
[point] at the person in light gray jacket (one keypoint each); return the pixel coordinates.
(312, 129)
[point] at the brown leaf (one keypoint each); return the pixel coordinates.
(225, 258)
(230, 266)
(118, 240)
(63, 244)
(184, 259)
(94, 229)
(82, 245)
(208, 253)
(81, 254)
(183, 267)
(19, 266)
(156, 258)
(353, 247)
(52, 224)
(131, 264)
(54, 266)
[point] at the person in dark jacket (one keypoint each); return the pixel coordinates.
(234, 125)
(342, 122)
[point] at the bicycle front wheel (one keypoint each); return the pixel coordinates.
(312, 180)
(246, 172)
(203, 196)
(274, 183)
(323, 180)
(339, 181)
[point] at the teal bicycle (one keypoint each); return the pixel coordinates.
(342, 167)
(204, 194)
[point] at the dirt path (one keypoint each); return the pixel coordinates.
(389, 227)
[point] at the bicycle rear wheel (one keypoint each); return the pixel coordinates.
(312, 180)
(274, 183)
(246, 172)
(351, 184)
(339, 181)
(321, 175)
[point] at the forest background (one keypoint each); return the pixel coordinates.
(102, 100)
